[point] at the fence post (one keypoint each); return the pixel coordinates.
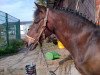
(7, 29)
(18, 30)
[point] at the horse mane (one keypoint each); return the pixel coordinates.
(75, 12)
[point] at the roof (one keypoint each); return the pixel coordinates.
(25, 22)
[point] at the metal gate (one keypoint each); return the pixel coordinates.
(9, 28)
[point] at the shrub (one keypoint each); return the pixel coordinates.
(16, 43)
(13, 47)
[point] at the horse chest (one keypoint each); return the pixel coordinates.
(90, 66)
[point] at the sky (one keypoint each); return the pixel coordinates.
(21, 9)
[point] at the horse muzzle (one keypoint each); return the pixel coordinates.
(29, 41)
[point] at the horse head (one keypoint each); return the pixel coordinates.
(41, 27)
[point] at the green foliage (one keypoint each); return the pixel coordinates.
(13, 47)
(16, 43)
(41, 2)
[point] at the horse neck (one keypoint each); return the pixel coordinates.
(73, 37)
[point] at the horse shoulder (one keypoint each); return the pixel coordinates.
(91, 62)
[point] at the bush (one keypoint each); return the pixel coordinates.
(13, 47)
(16, 43)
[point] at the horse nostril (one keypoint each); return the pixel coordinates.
(29, 43)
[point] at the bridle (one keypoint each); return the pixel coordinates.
(36, 40)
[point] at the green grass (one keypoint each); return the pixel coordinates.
(12, 48)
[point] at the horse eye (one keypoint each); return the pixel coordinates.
(35, 22)
(28, 29)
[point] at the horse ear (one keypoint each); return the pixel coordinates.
(37, 5)
(40, 7)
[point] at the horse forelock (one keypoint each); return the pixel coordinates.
(36, 13)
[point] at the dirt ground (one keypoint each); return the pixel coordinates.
(15, 64)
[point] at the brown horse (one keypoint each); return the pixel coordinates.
(79, 36)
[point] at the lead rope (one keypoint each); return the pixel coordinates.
(50, 72)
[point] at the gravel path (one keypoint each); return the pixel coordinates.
(15, 64)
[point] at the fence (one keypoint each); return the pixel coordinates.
(9, 28)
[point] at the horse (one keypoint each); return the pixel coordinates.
(80, 36)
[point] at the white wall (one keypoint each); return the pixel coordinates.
(24, 30)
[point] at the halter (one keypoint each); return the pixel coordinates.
(30, 37)
(43, 28)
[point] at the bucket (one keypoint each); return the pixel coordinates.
(52, 55)
(60, 45)
(30, 69)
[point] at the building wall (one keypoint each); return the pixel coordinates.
(24, 26)
(87, 7)
(24, 30)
